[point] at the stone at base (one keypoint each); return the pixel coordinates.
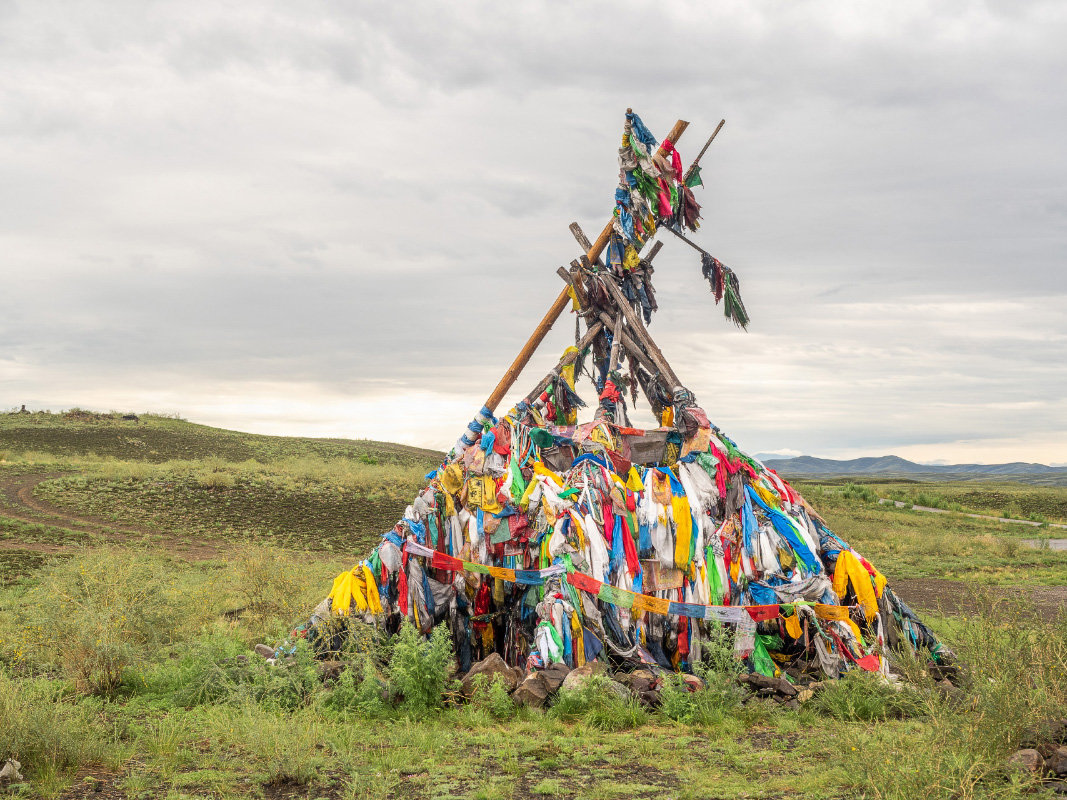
(533, 692)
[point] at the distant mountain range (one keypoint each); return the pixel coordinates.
(897, 467)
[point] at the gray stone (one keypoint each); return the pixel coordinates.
(576, 678)
(1028, 760)
(554, 676)
(492, 668)
(263, 650)
(9, 773)
(1057, 762)
(533, 692)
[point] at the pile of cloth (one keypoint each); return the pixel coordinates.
(552, 543)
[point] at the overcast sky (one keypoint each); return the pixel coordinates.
(343, 219)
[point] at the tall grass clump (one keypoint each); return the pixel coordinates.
(866, 697)
(94, 616)
(857, 491)
(1013, 681)
(45, 733)
(219, 670)
(599, 703)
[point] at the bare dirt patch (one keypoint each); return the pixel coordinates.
(960, 597)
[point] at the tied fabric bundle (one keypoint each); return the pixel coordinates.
(725, 285)
(546, 542)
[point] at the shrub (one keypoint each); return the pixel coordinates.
(220, 670)
(856, 491)
(95, 615)
(867, 697)
(600, 703)
(419, 670)
(491, 698)
(266, 581)
(709, 705)
(43, 732)
(360, 690)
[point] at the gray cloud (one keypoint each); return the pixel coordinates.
(366, 201)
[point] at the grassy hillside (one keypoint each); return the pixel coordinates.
(134, 577)
(156, 439)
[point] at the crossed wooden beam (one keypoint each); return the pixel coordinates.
(628, 329)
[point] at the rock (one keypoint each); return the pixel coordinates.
(263, 650)
(491, 667)
(576, 678)
(765, 686)
(331, 670)
(1028, 760)
(638, 681)
(755, 681)
(791, 704)
(804, 695)
(692, 682)
(1057, 762)
(554, 675)
(519, 673)
(533, 692)
(786, 689)
(10, 772)
(649, 698)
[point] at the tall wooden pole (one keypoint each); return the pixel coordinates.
(553, 313)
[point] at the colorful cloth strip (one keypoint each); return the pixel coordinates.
(622, 598)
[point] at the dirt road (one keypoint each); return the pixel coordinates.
(18, 502)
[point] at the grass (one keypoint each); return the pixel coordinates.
(262, 730)
(192, 714)
(153, 438)
(914, 544)
(997, 499)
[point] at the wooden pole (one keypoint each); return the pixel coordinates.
(557, 307)
(637, 327)
(566, 360)
(629, 344)
(616, 343)
(703, 150)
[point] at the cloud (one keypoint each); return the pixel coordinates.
(337, 207)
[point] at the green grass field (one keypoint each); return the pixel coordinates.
(140, 559)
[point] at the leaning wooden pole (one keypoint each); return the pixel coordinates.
(544, 326)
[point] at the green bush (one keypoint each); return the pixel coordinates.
(45, 733)
(359, 690)
(220, 670)
(419, 670)
(857, 491)
(492, 699)
(95, 615)
(707, 706)
(867, 697)
(599, 703)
